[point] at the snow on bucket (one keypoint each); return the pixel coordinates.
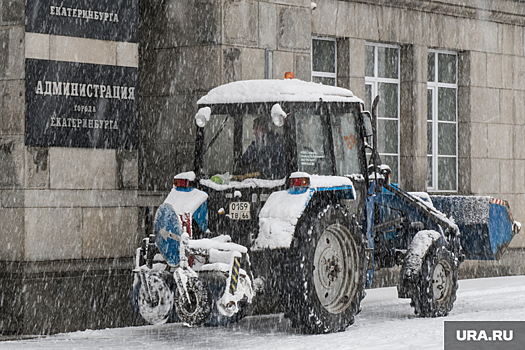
(485, 223)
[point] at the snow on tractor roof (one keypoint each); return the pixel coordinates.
(288, 90)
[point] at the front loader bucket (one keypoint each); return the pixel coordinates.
(485, 224)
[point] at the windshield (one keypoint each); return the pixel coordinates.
(256, 150)
(244, 143)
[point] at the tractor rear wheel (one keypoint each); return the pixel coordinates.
(326, 273)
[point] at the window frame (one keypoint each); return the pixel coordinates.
(374, 83)
(434, 87)
(323, 74)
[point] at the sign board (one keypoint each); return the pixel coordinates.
(115, 20)
(81, 105)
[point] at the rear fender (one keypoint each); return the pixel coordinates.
(283, 209)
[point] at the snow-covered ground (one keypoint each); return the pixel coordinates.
(386, 322)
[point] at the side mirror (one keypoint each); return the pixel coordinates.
(202, 116)
(278, 115)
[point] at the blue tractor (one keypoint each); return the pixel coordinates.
(289, 208)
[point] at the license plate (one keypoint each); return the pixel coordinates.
(240, 211)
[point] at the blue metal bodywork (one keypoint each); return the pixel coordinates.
(168, 226)
(168, 232)
(485, 224)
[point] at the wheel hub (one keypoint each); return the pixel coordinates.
(441, 281)
(336, 268)
(329, 267)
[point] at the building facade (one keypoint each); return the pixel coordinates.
(451, 76)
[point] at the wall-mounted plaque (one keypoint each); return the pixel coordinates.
(81, 105)
(115, 20)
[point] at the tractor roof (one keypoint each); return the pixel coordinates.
(288, 90)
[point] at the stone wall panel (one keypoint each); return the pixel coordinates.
(490, 37)
(519, 73)
(53, 233)
(357, 58)
(478, 71)
(295, 28)
(127, 170)
(303, 67)
(109, 232)
(12, 106)
(389, 25)
(325, 18)
(81, 168)
(12, 234)
(37, 167)
(252, 61)
(12, 12)
(12, 53)
(159, 162)
(267, 25)
(12, 162)
(367, 23)
(506, 107)
(37, 46)
(486, 176)
(508, 71)
(494, 71)
(241, 22)
(480, 140)
(485, 104)
(500, 141)
(519, 142)
(346, 19)
(282, 62)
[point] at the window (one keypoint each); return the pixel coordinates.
(442, 121)
(312, 148)
(324, 61)
(382, 78)
(345, 149)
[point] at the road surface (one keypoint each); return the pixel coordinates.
(385, 322)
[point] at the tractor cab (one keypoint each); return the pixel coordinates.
(254, 137)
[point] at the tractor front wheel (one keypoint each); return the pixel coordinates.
(436, 293)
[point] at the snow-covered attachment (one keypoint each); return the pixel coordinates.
(485, 223)
(201, 279)
(211, 286)
(208, 286)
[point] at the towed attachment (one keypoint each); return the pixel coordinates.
(485, 223)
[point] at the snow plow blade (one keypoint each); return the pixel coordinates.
(485, 224)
